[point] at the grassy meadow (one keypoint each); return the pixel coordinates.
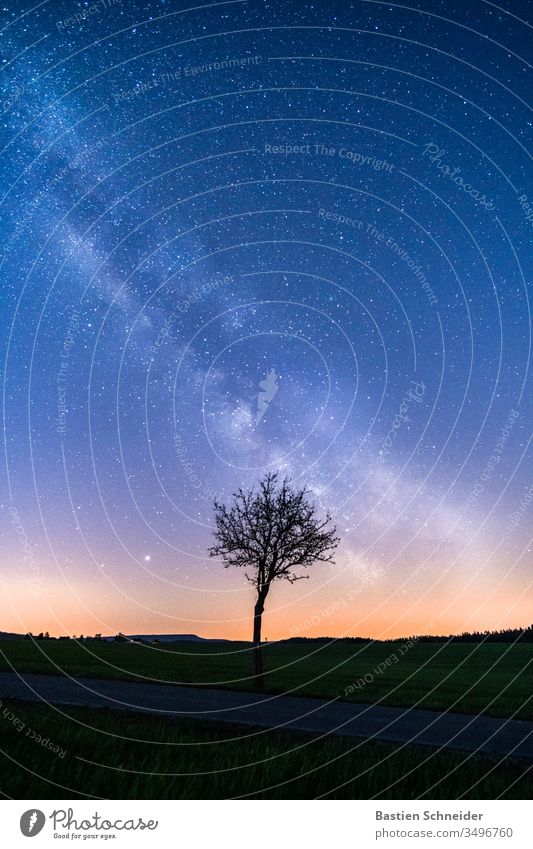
(491, 678)
(107, 754)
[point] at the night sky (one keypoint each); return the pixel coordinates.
(260, 236)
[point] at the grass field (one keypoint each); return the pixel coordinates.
(495, 679)
(115, 755)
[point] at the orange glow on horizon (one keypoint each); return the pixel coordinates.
(66, 613)
(353, 601)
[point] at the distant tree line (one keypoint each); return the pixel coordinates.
(46, 636)
(506, 635)
(118, 638)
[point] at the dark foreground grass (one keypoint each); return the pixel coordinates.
(496, 679)
(106, 754)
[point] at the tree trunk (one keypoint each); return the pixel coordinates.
(259, 681)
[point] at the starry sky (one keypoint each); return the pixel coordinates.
(251, 236)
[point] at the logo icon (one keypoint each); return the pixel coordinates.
(32, 822)
(268, 387)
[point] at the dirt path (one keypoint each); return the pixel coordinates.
(483, 734)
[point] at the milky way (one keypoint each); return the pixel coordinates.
(255, 236)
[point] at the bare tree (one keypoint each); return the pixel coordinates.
(273, 532)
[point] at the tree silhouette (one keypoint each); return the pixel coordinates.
(273, 532)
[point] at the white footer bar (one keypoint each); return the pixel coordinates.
(266, 824)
